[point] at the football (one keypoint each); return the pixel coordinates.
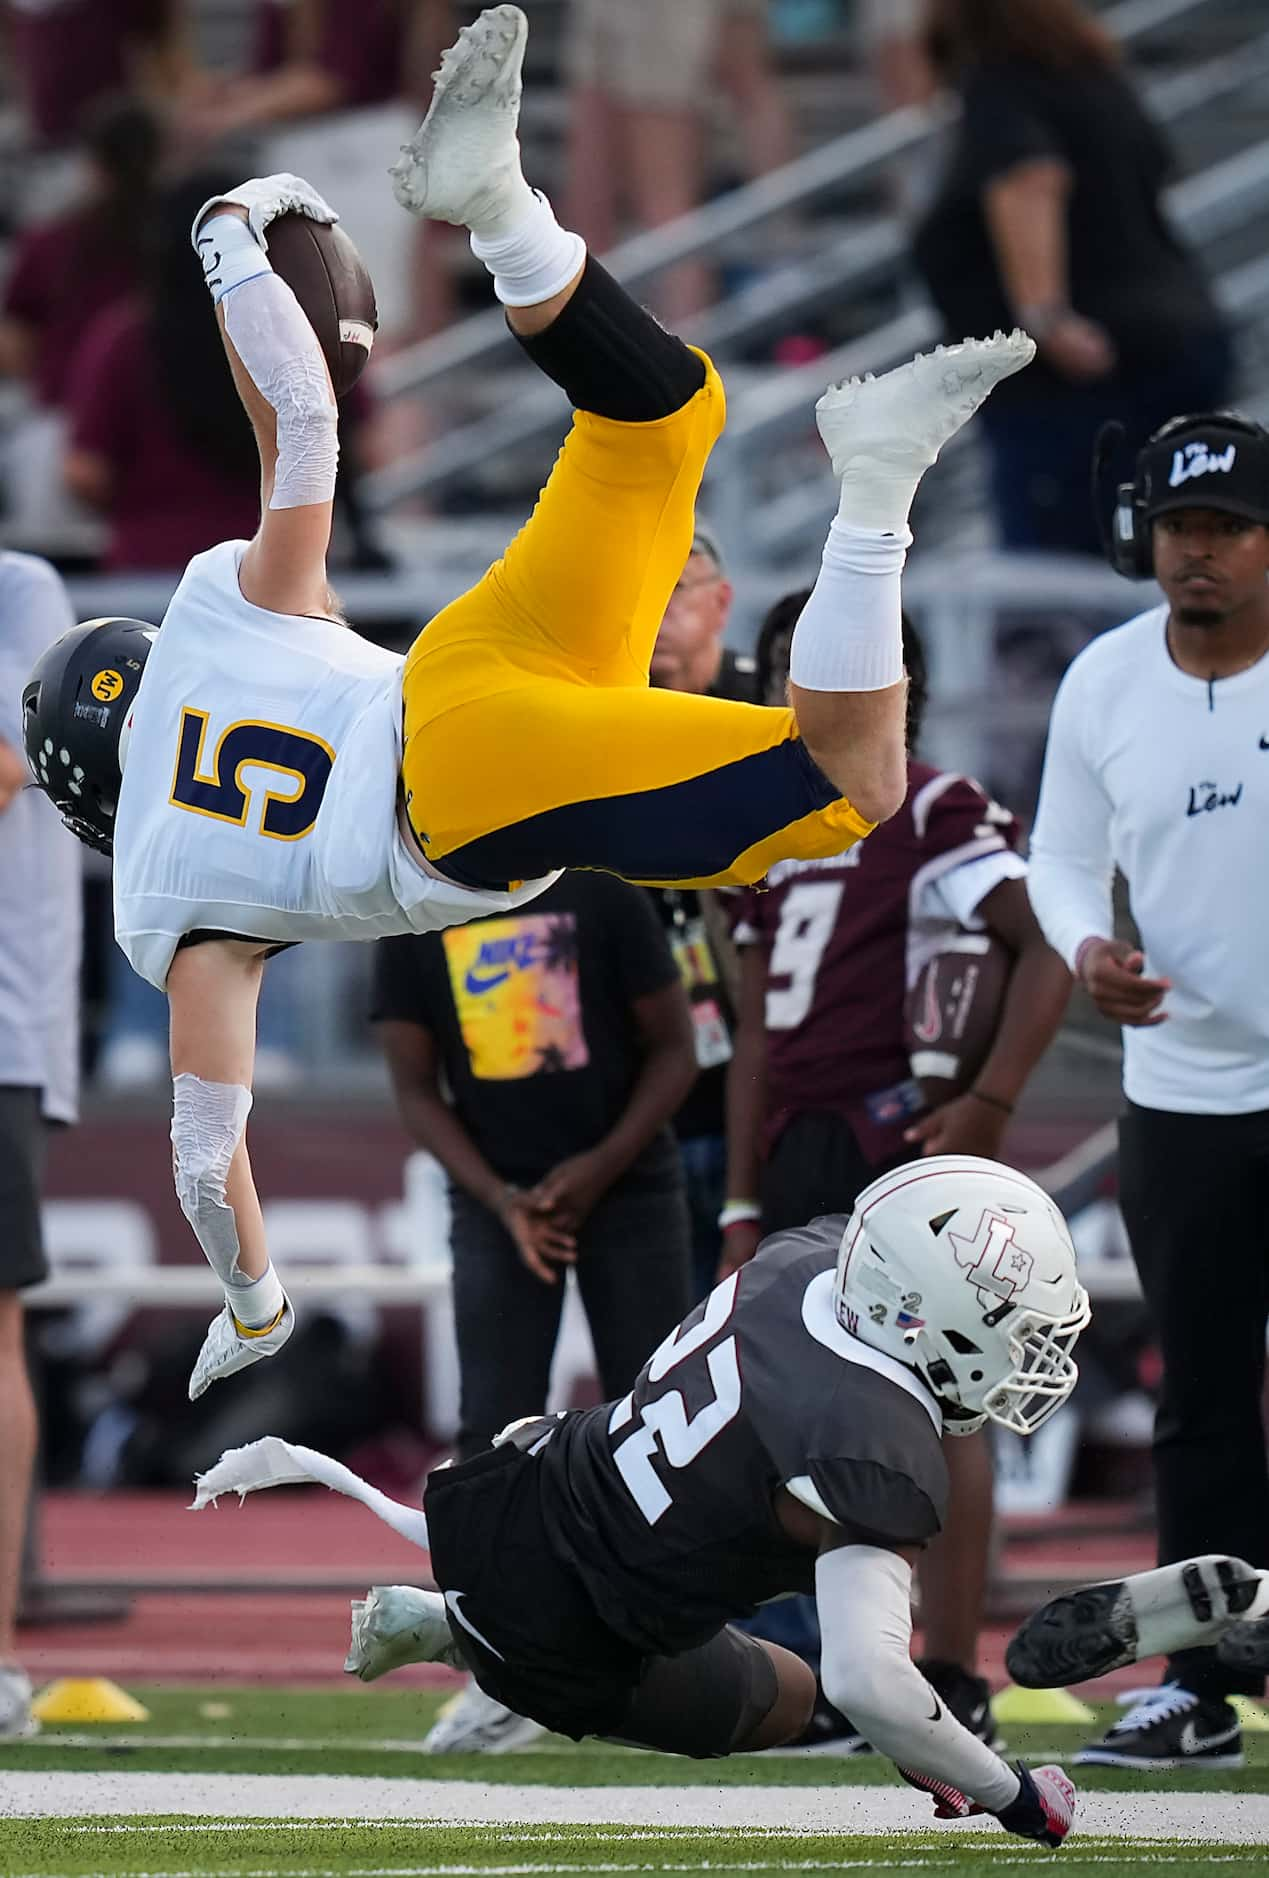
(321, 266)
(952, 1011)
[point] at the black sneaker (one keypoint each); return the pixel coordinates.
(1170, 1727)
(968, 1697)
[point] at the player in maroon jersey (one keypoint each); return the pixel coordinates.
(821, 1095)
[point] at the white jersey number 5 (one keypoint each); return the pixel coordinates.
(665, 1426)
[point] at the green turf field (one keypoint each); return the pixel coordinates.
(375, 1732)
(372, 1735)
(344, 1849)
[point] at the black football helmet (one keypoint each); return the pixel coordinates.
(74, 707)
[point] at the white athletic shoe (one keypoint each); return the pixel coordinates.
(463, 162)
(397, 1624)
(16, 1720)
(225, 1351)
(473, 1723)
(882, 434)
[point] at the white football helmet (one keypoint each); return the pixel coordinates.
(964, 1271)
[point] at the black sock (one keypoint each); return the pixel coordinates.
(612, 357)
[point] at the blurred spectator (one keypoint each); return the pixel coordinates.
(1050, 216)
(67, 54)
(643, 82)
(331, 90)
(39, 1052)
(689, 656)
(159, 441)
(822, 1097)
(564, 1040)
(65, 272)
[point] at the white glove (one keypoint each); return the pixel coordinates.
(225, 1350)
(265, 198)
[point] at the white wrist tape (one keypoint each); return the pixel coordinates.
(208, 1119)
(864, 1598)
(849, 635)
(272, 336)
(230, 254)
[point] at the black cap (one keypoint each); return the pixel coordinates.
(1216, 461)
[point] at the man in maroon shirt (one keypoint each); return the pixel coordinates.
(66, 54)
(821, 1095)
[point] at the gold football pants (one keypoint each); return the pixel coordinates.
(532, 739)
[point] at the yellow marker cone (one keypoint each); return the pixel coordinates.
(1039, 1705)
(87, 1699)
(1251, 1714)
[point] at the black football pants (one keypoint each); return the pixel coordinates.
(1195, 1196)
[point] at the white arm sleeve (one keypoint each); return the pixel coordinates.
(1071, 869)
(273, 337)
(863, 1595)
(208, 1119)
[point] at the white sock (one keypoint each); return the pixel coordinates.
(256, 1302)
(529, 255)
(849, 636)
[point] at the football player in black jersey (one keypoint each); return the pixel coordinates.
(787, 1436)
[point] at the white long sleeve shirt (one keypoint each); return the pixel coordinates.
(1166, 777)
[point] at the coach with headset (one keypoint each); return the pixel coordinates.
(1158, 765)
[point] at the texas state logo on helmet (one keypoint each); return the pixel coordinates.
(75, 707)
(963, 1269)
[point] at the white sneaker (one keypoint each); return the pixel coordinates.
(463, 163)
(397, 1624)
(882, 434)
(16, 1720)
(225, 1351)
(473, 1723)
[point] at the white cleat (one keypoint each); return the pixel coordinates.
(882, 434)
(395, 1625)
(463, 163)
(473, 1723)
(16, 1720)
(225, 1350)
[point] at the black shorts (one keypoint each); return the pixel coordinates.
(527, 1628)
(22, 1133)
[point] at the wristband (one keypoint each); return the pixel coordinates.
(230, 254)
(994, 1102)
(739, 1213)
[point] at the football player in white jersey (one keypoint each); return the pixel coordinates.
(264, 776)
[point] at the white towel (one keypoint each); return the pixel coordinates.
(273, 1462)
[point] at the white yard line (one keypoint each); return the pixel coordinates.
(1201, 1818)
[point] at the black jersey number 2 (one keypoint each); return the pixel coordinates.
(219, 791)
(665, 1427)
